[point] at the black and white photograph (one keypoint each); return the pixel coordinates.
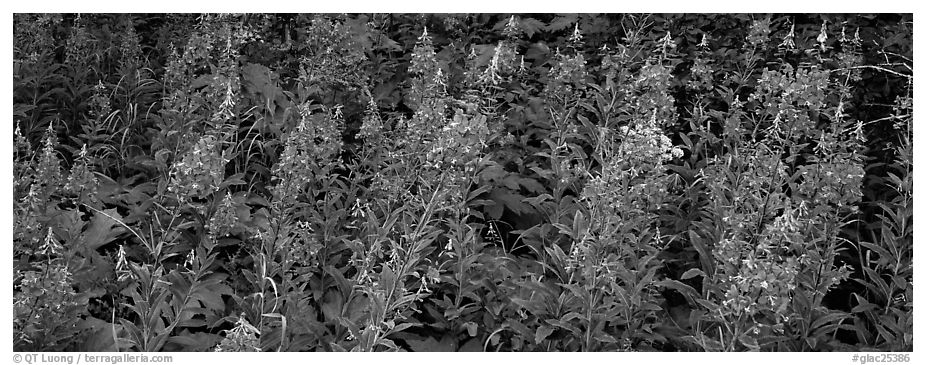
(461, 182)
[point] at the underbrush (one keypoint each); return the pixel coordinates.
(393, 182)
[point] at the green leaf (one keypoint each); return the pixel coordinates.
(562, 22)
(537, 201)
(704, 251)
(473, 345)
(387, 277)
(471, 328)
(211, 296)
(100, 335)
(68, 225)
(564, 323)
(692, 273)
(331, 305)
(690, 294)
(197, 341)
(430, 344)
(511, 200)
(530, 305)
(402, 326)
(863, 305)
(519, 328)
(495, 210)
(749, 342)
(259, 78)
(103, 229)
(542, 333)
(579, 224)
(883, 254)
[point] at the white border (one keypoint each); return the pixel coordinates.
(572, 6)
(470, 6)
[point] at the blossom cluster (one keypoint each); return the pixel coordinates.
(48, 177)
(504, 60)
(241, 338)
(130, 52)
(335, 58)
(99, 103)
(752, 277)
(44, 301)
(645, 146)
(438, 149)
(372, 127)
(313, 144)
(741, 188)
(40, 180)
(200, 170)
(33, 35)
(225, 220)
(304, 245)
(567, 76)
(622, 199)
(629, 188)
(759, 282)
(834, 181)
(652, 84)
(759, 277)
(459, 142)
(484, 87)
(226, 82)
(213, 50)
(22, 162)
(702, 68)
(81, 181)
(790, 94)
(759, 32)
(428, 94)
(79, 49)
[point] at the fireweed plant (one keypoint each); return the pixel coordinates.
(486, 182)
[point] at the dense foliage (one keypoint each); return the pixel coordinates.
(462, 182)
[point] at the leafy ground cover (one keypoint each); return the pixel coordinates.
(450, 182)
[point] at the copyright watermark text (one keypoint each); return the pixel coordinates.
(886, 358)
(78, 358)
